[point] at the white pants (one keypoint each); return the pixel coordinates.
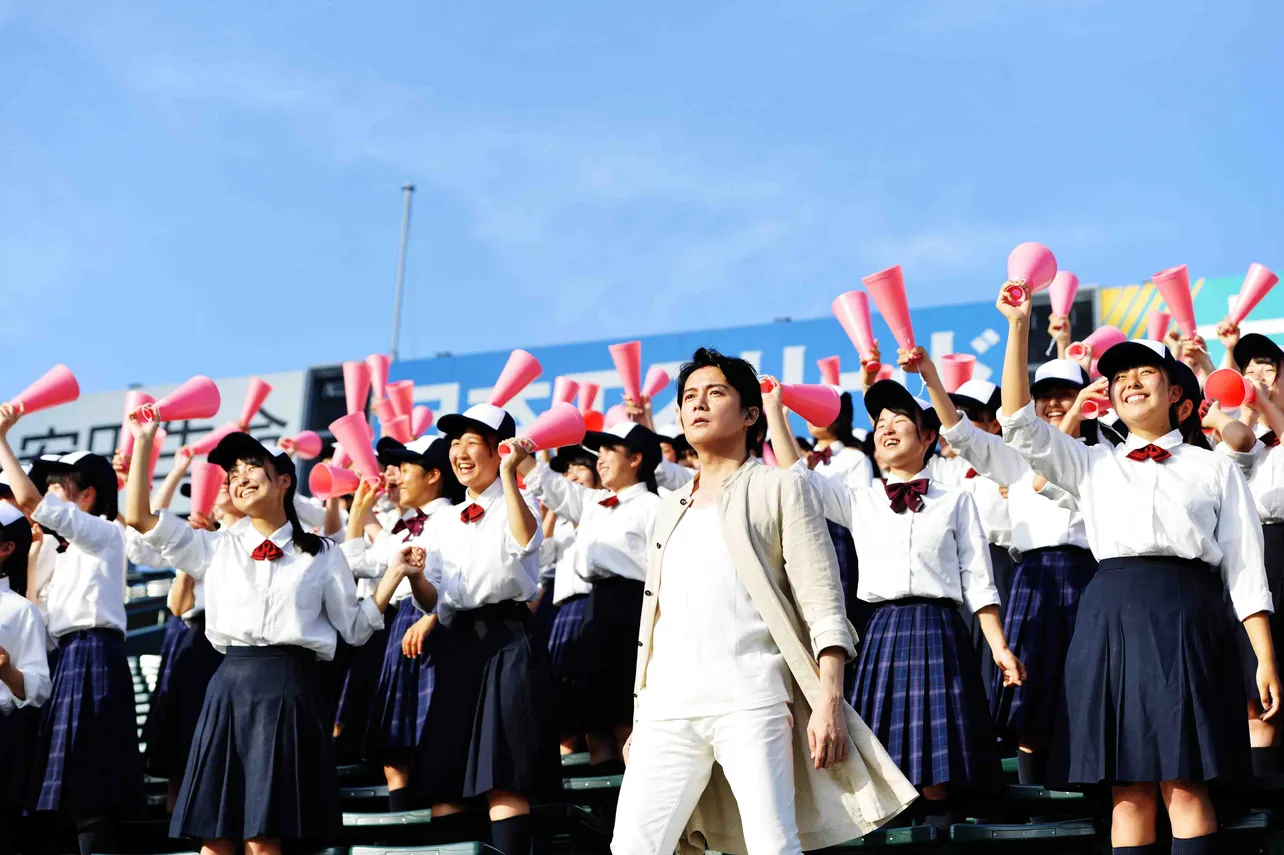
(669, 767)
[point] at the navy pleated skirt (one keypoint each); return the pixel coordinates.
(17, 749)
(262, 762)
(155, 725)
(87, 761)
(174, 713)
(1152, 683)
(353, 708)
(402, 693)
(1273, 535)
(490, 724)
(564, 648)
(1039, 624)
(918, 687)
(609, 645)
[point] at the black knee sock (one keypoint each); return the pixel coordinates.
(1266, 761)
(511, 836)
(1206, 845)
(401, 800)
(1148, 849)
(97, 837)
(1032, 768)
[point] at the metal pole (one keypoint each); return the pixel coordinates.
(407, 190)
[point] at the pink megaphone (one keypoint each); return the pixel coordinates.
(385, 410)
(398, 429)
(852, 311)
(327, 481)
(594, 420)
(818, 405)
(356, 385)
(1031, 268)
(340, 458)
(830, 370)
(519, 371)
(1229, 389)
(198, 398)
(887, 289)
(1062, 291)
(1094, 408)
(306, 443)
(158, 445)
(561, 424)
(628, 364)
(378, 364)
(956, 369)
(255, 394)
(207, 478)
(420, 421)
(769, 454)
(615, 415)
(564, 389)
(1101, 340)
(402, 397)
(885, 372)
(1157, 325)
(1258, 281)
(588, 397)
(57, 386)
(656, 380)
(211, 440)
(354, 433)
(1174, 286)
(133, 400)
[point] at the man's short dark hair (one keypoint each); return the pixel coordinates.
(741, 376)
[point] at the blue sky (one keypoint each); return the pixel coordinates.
(173, 174)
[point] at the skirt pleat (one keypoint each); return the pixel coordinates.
(262, 761)
(1152, 688)
(564, 646)
(194, 662)
(155, 725)
(918, 687)
(87, 761)
(1038, 626)
(609, 638)
(1273, 536)
(403, 692)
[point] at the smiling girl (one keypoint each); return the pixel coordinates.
(1152, 663)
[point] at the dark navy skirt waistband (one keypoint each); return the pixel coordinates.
(1168, 562)
(274, 651)
(940, 602)
(507, 610)
(93, 632)
(1064, 547)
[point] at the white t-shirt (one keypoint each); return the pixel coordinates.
(711, 651)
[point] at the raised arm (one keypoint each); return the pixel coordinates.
(168, 487)
(783, 442)
(25, 494)
(521, 520)
(1016, 361)
(138, 508)
(1237, 435)
(561, 496)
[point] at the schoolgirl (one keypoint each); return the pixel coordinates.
(261, 767)
(613, 530)
(1152, 663)
(923, 553)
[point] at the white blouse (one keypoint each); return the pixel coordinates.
(82, 587)
(22, 635)
(608, 541)
(299, 600)
(1264, 467)
(990, 504)
(370, 560)
(1195, 505)
(557, 557)
(480, 563)
(938, 552)
(848, 466)
(1040, 519)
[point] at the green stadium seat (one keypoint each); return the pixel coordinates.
(1072, 836)
(918, 838)
(604, 782)
(396, 818)
(440, 849)
(580, 759)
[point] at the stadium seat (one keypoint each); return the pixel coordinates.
(919, 838)
(443, 849)
(1073, 836)
(580, 759)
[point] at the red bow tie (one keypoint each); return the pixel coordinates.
(415, 524)
(971, 473)
(1150, 451)
(267, 551)
(1269, 439)
(907, 495)
(610, 501)
(472, 513)
(824, 456)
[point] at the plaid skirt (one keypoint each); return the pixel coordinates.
(1038, 626)
(403, 691)
(918, 687)
(87, 761)
(564, 648)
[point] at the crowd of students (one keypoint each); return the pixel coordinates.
(779, 657)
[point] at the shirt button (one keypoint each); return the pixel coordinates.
(648, 593)
(657, 546)
(682, 501)
(639, 644)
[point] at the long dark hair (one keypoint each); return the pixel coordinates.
(841, 429)
(304, 540)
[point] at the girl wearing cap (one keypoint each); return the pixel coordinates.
(1152, 661)
(261, 768)
(489, 730)
(613, 530)
(24, 673)
(404, 684)
(923, 552)
(99, 780)
(1056, 564)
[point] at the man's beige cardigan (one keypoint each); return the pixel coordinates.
(775, 529)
